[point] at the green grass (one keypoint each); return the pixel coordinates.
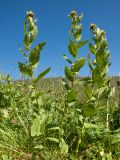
(66, 118)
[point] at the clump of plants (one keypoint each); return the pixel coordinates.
(37, 124)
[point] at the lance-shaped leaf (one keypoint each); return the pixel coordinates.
(35, 129)
(37, 126)
(92, 48)
(63, 147)
(53, 139)
(67, 59)
(33, 35)
(91, 125)
(90, 65)
(69, 74)
(77, 66)
(73, 49)
(35, 54)
(41, 75)
(88, 91)
(26, 70)
(112, 92)
(82, 43)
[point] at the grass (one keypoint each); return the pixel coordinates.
(66, 118)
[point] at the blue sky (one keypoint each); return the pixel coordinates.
(53, 23)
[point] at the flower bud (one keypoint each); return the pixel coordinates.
(73, 14)
(30, 14)
(92, 26)
(102, 32)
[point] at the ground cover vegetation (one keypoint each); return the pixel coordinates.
(74, 119)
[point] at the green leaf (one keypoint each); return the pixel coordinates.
(116, 139)
(82, 43)
(69, 74)
(72, 95)
(26, 70)
(6, 157)
(27, 41)
(101, 91)
(65, 84)
(90, 125)
(112, 92)
(88, 91)
(63, 147)
(89, 109)
(73, 49)
(35, 54)
(90, 65)
(77, 34)
(53, 139)
(35, 128)
(71, 104)
(92, 48)
(39, 147)
(38, 124)
(77, 66)
(41, 75)
(73, 157)
(100, 53)
(34, 33)
(67, 59)
(53, 128)
(104, 43)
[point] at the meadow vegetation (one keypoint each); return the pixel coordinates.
(70, 118)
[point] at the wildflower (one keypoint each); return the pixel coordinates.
(92, 26)
(73, 14)
(30, 14)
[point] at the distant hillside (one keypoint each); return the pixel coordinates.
(56, 82)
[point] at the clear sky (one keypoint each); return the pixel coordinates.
(53, 23)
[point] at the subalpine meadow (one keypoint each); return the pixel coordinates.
(70, 118)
